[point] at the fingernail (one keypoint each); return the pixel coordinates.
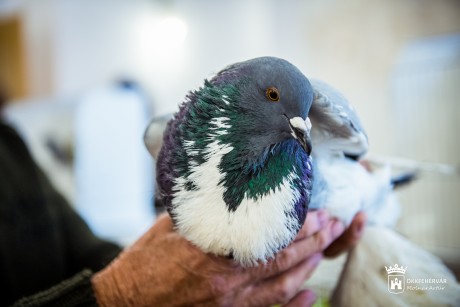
(337, 229)
(363, 221)
(360, 227)
(310, 297)
(316, 258)
(322, 217)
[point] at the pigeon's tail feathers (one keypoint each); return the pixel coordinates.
(415, 165)
(385, 209)
(403, 179)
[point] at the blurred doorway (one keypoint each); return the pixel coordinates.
(12, 58)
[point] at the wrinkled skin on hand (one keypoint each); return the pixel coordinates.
(163, 269)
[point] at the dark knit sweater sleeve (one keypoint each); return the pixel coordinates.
(47, 251)
(75, 291)
(82, 248)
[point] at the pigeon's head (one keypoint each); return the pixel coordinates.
(267, 100)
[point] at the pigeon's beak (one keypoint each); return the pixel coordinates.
(300, 130)
(304, 140)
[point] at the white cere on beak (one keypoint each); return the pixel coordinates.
(301, 124)
(308, 123)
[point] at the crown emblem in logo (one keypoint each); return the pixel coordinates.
(396, 269)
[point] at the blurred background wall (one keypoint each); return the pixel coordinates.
(397, 61)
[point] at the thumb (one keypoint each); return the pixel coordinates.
(304, 298)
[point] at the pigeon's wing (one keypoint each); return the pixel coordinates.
(153, 136)
(335, 124)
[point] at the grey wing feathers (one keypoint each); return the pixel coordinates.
(335, 122)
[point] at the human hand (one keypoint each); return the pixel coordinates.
(164, 269)
(349, 238)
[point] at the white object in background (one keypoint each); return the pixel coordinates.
(114, 172)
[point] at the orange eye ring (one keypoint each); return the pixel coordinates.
(273, 94)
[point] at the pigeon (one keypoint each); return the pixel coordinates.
(234, 170)
(344, 186)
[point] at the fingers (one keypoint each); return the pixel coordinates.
(283, 287)
(294, 264)
(316, 220)
(323, 238)
(303, 298)
(300, 250)
(349, 238)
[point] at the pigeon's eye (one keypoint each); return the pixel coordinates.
(273, 94)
